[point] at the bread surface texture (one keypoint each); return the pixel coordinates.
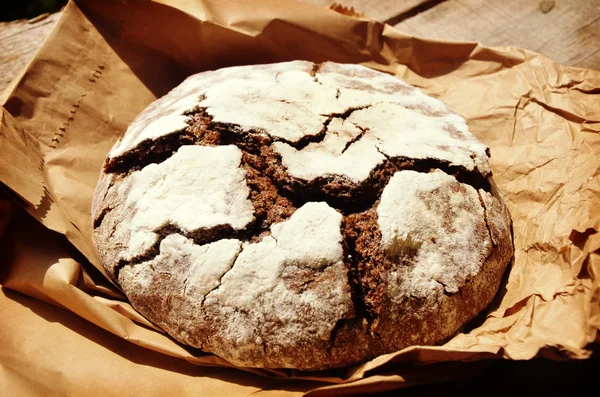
(302, 215)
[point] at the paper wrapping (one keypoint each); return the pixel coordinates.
(107, 60)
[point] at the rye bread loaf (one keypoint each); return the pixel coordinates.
(301, 215)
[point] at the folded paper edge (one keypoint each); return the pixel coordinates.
(25, 178)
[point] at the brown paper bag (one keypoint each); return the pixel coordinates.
(106, 60)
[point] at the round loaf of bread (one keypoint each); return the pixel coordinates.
(301, 215)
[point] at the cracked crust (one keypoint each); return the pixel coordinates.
(301, 215)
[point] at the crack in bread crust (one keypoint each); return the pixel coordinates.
(337, 190)
(276, 195)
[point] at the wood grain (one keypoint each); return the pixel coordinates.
(567, 31)
(19, 41)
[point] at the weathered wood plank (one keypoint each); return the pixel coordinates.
(567, 31)
(19, 41)
(381, 10)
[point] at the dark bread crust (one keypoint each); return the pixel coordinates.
(367, 322)
(437, 318)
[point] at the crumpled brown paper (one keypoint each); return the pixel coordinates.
(106, 60)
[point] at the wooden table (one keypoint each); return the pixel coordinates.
(566, 30)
